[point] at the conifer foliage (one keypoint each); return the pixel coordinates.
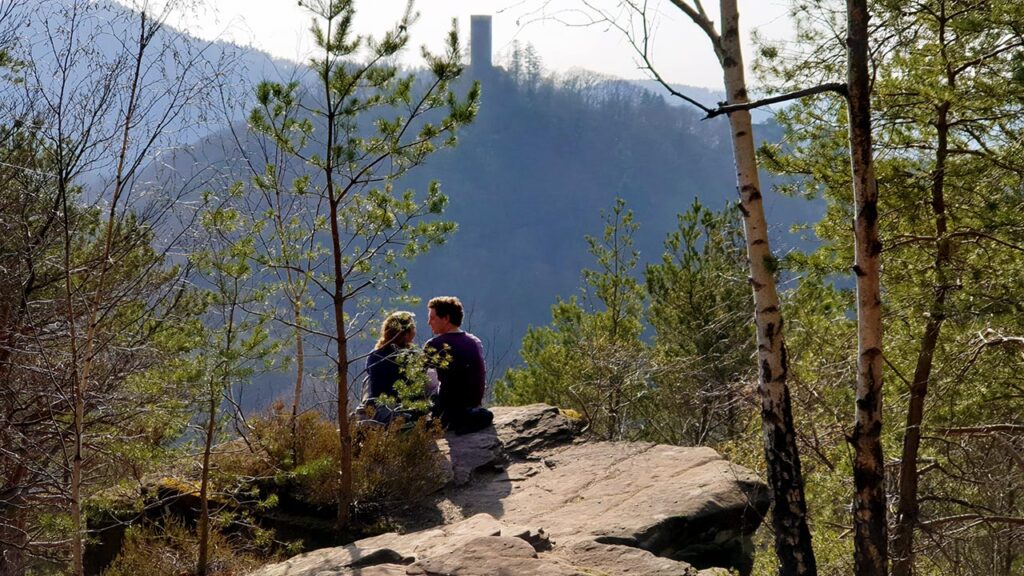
(683, 384)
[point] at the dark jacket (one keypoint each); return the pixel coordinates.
(384, 368)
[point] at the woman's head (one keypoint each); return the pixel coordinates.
(399, 328)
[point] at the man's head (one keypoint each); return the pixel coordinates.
(445, 314)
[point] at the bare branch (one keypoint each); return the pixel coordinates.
(985, 429)
(837, 87)
(977, 518)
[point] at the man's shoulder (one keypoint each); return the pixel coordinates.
(470, 344)
(463, 336)
(452, 339)
(435, 342)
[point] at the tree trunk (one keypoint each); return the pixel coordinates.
(77, 522)
(907, 510)
(344, 431)
(77, 395)
(789, 513)
(338, 296)
(204, 487)
(83, 374)
(869, 514)
(12, 530)
(300, 368)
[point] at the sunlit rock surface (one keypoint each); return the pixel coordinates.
(527, 497)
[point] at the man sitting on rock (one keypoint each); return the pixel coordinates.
(458, 358)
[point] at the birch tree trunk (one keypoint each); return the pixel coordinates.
(869, 512)
(789, 511)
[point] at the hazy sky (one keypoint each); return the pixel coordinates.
(682, 54)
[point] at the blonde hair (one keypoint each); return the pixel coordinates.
(396, 325)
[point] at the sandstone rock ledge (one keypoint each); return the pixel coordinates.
(527, 499)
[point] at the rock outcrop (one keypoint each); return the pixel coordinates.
(526, 498)
(526, 431)
(477, 546)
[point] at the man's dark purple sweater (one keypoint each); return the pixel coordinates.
(462, 379)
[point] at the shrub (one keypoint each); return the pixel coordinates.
(397, 462)
(315, 437)
(172, 551)
(316, 482)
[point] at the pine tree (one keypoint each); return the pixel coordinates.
(700, 312)
(591, 358)
(357, 131)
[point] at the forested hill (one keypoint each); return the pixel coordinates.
(531, 175)
(529, 178)
(526, 182)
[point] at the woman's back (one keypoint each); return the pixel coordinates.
(383, 368)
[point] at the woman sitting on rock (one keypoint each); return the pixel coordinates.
(394, 361)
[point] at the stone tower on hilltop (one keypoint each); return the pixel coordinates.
(480, 46)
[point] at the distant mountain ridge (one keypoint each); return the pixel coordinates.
(100, 27)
